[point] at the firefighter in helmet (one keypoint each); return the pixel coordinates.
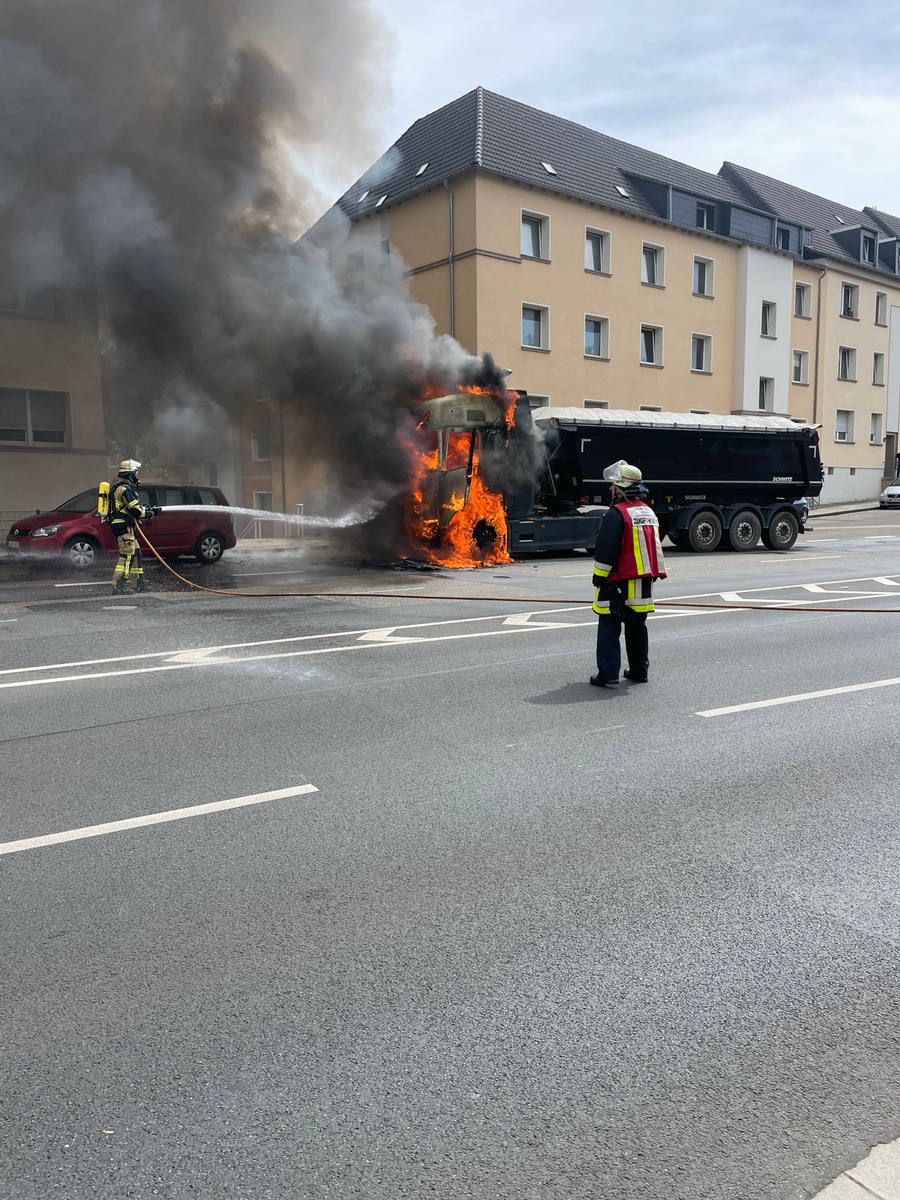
(125, 510)
(628, 557)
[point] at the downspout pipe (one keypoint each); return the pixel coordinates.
(450, 260)
(818, 335)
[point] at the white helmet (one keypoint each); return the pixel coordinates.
(622, 474)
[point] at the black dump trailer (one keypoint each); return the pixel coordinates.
(712, 480)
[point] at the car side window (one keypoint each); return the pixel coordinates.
(144, 496)
(169, 496)
(82, 503)
(207, 496)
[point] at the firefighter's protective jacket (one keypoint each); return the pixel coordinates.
(125, 507)
(627, 557)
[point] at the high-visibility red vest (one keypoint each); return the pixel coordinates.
(641, 553)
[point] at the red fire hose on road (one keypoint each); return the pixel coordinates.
(490, 599)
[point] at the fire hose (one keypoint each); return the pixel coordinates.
(490, 599)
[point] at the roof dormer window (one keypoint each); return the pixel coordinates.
(868, 248)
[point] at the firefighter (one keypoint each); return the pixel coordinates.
(628, 557)
(125, 510)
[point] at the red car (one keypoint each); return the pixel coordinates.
(75, 531)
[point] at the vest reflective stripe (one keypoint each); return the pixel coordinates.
(636, 593)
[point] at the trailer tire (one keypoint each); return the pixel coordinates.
(782, 532)
(705, 531)
(744, 530)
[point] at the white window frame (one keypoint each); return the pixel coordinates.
(710, 279)
(706, 339)
(544, 310)
(878, 369)
(849, 300)
(605, 250)
(871, 240)
(603, 356)
(660, 265)
(803, 290)
(595, 404)
(544, 236)
(254, 447)
(259, 505)
(709, 215)
(765, 397)
(768, 319)
(881, 308)
(538, 401)
(658, 345)
(30, 439)
(850, 375)
(844, 435)
(803, 356)
(876, 437)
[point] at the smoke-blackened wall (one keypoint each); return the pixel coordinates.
(166, 151)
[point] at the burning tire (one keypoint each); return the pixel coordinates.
(484, 535)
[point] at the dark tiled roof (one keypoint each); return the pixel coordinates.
(885, 222)
(493, 133)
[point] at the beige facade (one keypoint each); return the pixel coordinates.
(794, 369)
(51, 410)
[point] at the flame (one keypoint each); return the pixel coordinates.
(467, 533)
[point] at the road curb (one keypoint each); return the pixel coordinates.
(816, 514)
(875, 1176)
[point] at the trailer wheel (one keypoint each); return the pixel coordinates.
(782, 533)
(705, 531)
(744, 530)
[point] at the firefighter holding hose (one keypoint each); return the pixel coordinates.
(628, 558)
(125, 511)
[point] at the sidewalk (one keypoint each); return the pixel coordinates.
(837, 510)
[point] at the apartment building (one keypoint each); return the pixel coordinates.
(606, 275)
(51, 410)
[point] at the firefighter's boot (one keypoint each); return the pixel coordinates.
(141, 585)
(120, 588)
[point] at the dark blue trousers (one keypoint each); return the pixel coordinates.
(609, 653)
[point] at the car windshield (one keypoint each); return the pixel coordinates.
(83, 502)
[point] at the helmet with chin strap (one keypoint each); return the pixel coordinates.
(128, 470)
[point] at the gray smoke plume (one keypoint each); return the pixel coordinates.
(166, 152)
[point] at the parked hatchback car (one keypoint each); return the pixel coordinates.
(890, 497)
(75, 532)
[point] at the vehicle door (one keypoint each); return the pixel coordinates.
(170, 531)
(218, 520)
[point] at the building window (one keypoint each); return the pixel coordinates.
(766, 393)
(800, 367)
(535, 235)
(782, 238)
(881, 308)
(596, 337)
(849, 300)
(211, 471)
(596, 251)
(19, 295)
(261, 447)
(802, 300)
(699, 412)
(651, 345)
(868, 248)
(650, 408)
(33, 418)
(703, 276)
(538, 401)
(875, 438)
(767, 319)
(843, 425)
(596, 404)
(878, 370)
(706, 216)
(653, 265)
(262, 501)
(847, 364)
(535, 323)
(701, 353)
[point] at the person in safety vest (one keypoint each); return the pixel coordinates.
(125, 510)
(627, 558)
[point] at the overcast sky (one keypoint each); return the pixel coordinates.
(805, 90)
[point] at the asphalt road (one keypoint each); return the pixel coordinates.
(527, 939)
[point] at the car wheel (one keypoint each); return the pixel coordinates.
(81, 552)
(705, 531)
(209, 548)
(744, 530)
(782, 533)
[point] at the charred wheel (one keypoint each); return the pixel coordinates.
(744, 530)
(705, 531)
(782, 532)
(484, 535)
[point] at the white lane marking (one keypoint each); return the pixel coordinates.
(806, 558)
(306, 637)
(98, 583)
(525, 619)
(796, 699)
(9, 621)
(386, 635)
(159, 818)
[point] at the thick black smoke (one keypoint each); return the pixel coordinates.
(165, 151)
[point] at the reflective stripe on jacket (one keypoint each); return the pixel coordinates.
(125, 506)
(627, 558)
